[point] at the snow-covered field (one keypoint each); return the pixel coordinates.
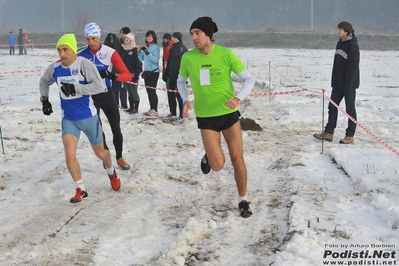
(306, 204)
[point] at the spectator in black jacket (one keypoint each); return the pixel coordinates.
(123, 32)
(118, 90)
(21, 42)
(344, 82)
(135, 67)
(171, 73)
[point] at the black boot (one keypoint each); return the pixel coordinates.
(131, 105)
(136, 106)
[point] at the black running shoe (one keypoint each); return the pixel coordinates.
(245, 211)
(205, 167)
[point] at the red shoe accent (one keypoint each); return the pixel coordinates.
(115, 181)
(123, 164)
(79, 196)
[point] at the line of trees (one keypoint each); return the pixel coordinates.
(170, 15)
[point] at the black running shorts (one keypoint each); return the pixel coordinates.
(219, 123)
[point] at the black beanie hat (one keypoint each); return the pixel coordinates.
(178, 36)
(205, 24)
(125, 30)
(167, 36)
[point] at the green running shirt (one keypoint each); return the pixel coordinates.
(210, 77)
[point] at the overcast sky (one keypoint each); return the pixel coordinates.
(171, 15)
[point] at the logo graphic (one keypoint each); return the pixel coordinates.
(74, 71)
(102, 56)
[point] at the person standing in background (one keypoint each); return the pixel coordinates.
(25, 40)
(21, 42)
(123, 32)
(344, 82)
(105, 58)
(171, 74)
(209, 68)
(135, 67)
(11, 42)
(150, 55)
(122, 90)
(77, 79)
(166, 44)
(118, 90)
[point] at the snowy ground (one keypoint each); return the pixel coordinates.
(306, 204)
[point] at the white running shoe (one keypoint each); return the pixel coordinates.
(152, 112)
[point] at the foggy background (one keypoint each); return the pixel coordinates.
(372, 16)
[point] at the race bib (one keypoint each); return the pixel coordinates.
(205, 78)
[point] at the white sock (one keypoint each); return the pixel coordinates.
(80, 185)
(110, 171)
(241, 198)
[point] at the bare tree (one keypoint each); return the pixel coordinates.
(80, 18)
(4, 13)
(43, 20)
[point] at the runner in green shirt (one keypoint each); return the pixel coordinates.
(209, 68)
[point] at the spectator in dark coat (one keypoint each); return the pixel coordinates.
(118, 90)
(172, 71)
(21, 41)
(344, 82)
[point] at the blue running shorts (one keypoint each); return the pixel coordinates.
(91, 127)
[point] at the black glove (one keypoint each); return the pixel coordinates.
(144, 49)
(68, 89)
(106, 74)
(135, 77)
(47, 108)
(164, 78)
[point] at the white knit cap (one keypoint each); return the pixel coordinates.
(132, 44)
(92, 29)
(130, 36)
